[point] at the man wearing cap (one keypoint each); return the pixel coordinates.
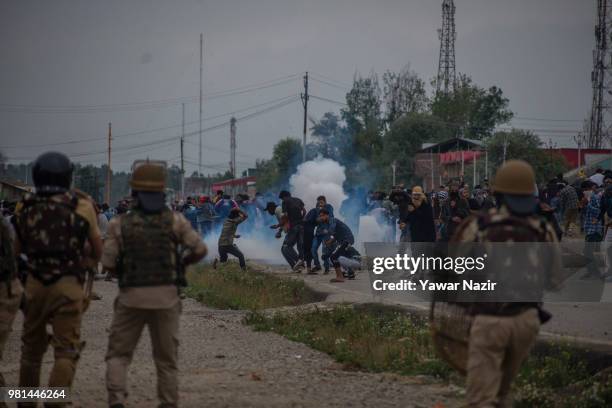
(503, 332)
(419, 218)
(142, 250)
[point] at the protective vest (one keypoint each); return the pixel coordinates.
(496, 229)
(52, 236)
(8, 265)
(149, 251)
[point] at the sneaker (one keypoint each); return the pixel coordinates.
(316, 269)
(589, 276)
(326, 272)
(312, 271)
(299, 266)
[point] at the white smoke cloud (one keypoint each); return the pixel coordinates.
(319, 177)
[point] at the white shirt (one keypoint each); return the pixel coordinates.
(597, 178)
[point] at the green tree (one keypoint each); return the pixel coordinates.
(363, 106)
(332, 138)
(275, 173)
(473, 111)
(405, 137)
(525, 145)
(404, 92)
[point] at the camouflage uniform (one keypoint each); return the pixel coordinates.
(10, 287)
(142, 249)
(502, 334)
(52, 231)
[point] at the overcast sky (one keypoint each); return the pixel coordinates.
(117, 52)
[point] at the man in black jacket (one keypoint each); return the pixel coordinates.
(294, 210)
(420, 218)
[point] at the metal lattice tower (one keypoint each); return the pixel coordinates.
(601, 77)
(446, 65)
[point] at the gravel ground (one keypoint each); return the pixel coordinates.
(225, 364)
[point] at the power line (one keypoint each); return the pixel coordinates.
(142, 105)
(141, 132)
(330, 84)
(344, 84)
(170, 140)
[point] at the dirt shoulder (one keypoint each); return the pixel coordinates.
(224, 363)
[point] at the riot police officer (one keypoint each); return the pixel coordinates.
(58, 233)
(142, 250)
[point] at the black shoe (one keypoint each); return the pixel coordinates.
(117, 406)
(316, 269)
(590, 276)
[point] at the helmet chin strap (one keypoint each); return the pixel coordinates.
(50, 190)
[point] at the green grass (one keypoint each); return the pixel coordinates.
(560, 375)
(228, 287)
(381, 339)
(373, 339)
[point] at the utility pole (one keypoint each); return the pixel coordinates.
(109, 173)
(200, 113)
(486, 163)
(446, 79)
(394, 169)
(601, 77)
(578, 140)
(233, 146)
(305, 98)
(182, 152)
(474, 168)
(505, 147)
(431, 157)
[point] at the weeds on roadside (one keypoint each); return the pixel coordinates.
(377, 338)
(228, 287)
(559, 376)
(374, 340)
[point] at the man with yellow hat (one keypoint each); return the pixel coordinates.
(142, 251)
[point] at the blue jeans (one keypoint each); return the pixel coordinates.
(316, 243)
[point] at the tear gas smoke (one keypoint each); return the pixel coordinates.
(256, 243)
(371, 229)
(319, 177)
(312, 179)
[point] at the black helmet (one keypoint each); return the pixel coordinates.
(52, 173)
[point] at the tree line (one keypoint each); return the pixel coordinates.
(387, 121)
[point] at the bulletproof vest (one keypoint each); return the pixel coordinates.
(8, 265)
(52, 236)
(149, 250)
(523, 269)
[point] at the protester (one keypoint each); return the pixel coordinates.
(206, 216)
(420, 218)
(568, 198)
(598, 177)
(338, 241)
(593, 230)
(228, 234)
(277, 212)
(293, 209)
